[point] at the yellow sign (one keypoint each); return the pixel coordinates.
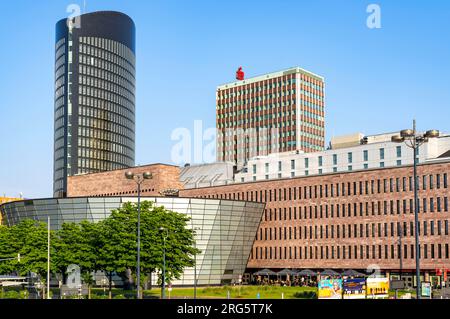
(377, 288)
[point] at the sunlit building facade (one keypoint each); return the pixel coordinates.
(272, 113)
(94, 117)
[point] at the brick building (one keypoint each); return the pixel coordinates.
(114, 183)
(348, 220)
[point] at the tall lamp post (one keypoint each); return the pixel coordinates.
(138, 178)
(400, 256)
(165, 234)
(414, 140)
(195, 266)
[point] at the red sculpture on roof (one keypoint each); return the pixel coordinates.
(240, 74)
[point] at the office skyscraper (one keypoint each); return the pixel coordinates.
(94, 96)
(272, 113)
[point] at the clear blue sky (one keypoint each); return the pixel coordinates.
(377, 80)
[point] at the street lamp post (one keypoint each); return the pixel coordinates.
(414, 140)
(400, 234)
(165, 233)
(138, 178)
(195, 265)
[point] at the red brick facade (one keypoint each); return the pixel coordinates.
(348, 220)
(114, 183)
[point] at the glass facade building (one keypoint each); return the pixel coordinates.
(225, 229)
(94, 116)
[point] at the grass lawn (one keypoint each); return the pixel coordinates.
(246, 292)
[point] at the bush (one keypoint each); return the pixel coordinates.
(305, 295)
(119, 297)
(95, 296)
(12, 294)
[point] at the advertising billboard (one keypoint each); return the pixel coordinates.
(377, 288)
(330, 289)
(354, 288)
(426, 289)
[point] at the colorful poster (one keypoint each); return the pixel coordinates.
(377, 288)
(426, 289)
(330, 289)
(354, 288)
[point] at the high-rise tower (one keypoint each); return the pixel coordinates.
(94, 95)
(272, 113)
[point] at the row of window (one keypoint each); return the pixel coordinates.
(90, 165)
(107, 93)
(108, 49)
(274, 84)
(111, 123)
(105, 146)
(439, 251)
(113, 85)
(96, 108)
(378, 186)
(111, 137)
(125, 155)
(368, 230)
(392, 207)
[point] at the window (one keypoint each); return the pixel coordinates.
(381, 164)
(399, 163)
(320, 160)
(399, 151)
(280, 166)
(350, 167)
(292, 164)
(366, 155)
(306, 163)
(366, 166)
(320, 171)
(350, 157)
(334, 159)
(381, 153)
(267, 168)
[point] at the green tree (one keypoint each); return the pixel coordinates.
(78, 244)
(29, 238)
(179, 244)
(118, 241)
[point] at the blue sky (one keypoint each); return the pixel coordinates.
(377, 80)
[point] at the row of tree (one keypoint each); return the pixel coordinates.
(109, 245)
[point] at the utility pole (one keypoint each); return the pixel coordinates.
(48, 257)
